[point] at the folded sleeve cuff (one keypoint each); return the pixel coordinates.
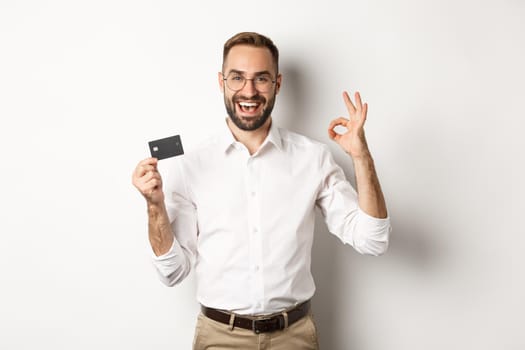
(372, 234)
(170, 266)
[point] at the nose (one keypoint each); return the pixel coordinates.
(249, 88)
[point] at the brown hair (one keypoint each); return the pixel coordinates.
(251, 39)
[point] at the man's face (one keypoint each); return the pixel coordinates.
(249, 108)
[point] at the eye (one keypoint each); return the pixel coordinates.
(236, 77)
(263, 79)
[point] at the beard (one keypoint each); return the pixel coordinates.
(257, 121)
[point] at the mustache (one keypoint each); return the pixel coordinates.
(256, 98)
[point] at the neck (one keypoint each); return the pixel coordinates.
(251, 139)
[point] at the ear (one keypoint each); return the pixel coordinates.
(221, 81)
(278, 83)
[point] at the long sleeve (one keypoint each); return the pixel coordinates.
(338, 203)
(176, 264)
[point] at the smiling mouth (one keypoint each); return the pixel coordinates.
(248, 107)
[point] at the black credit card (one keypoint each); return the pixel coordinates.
(166, 148)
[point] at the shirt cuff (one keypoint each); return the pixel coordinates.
(372, 220)
(372, 234)
(169, 262)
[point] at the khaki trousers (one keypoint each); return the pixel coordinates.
(213, 335)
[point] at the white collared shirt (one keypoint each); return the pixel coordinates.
(246, 223)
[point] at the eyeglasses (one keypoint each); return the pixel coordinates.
(236, 81)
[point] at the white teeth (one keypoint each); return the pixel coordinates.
(248, 104)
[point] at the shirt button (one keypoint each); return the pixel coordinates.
(256, 267)
(255, 230)
(253, 193)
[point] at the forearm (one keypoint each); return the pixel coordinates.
(370, 196)
(159, 229)
(173, 255)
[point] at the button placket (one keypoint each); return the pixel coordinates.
(254, 224)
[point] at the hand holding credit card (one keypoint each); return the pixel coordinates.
(166, 148)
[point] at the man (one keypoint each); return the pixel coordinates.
(241, 208)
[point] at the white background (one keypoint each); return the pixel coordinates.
(84, 85)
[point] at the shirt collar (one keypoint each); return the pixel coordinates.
(226, 137)
(227, 140)
(274, 136)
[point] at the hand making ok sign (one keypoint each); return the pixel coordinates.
(352, 141)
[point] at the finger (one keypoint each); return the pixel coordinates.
(339, 121)
(333, 124)
(144, 169)
(364, 113)
(141, 176)
(145, 165)
(154, 181)
(358, 102)
(148, 176)
(149, 161)
(333, 135)
(348, 102)
(150, 187)
(148, 168)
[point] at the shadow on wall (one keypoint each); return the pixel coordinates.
(291, 100)
(411, 243)
(327, 271)
(296, 117)
(332, 263)
(334, 266)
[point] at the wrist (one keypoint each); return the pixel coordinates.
(155, 208)
(365, 157)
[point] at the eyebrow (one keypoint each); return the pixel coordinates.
(243, 72)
